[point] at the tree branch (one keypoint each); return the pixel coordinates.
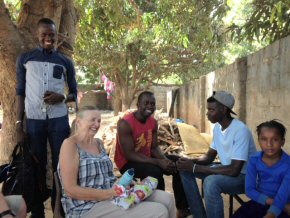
(139, 14)
(9, 34)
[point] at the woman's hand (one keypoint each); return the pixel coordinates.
(111, 193)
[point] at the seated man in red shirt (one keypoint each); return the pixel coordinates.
(137, 148)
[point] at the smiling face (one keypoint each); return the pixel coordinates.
(146, 105)
(47, 36)
(271, 142)
(89, 122)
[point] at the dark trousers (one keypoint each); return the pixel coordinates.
(40, 131)
(142, 170)
(252, 209)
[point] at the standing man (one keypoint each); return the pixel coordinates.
(42, 75)
(137, 148)
(233, 143)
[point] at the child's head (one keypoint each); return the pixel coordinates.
(271, 137)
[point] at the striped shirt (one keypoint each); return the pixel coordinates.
(95, 171)
(38, 72)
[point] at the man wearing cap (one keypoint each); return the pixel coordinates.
(233, 143)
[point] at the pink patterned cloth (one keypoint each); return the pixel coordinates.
(109, 86)
(135, 194)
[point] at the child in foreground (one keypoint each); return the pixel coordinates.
(268, 176)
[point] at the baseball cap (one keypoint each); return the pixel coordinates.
(224, 98)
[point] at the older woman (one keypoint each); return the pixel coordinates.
(87, 178)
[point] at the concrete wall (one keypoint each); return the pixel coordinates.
(89, 95)
(98, 98)
(160, 93)
(260, 84)
(189, 102)
(268, 86)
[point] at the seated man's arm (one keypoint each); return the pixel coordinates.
(155, 149)
(125, 135)
(239, 155)
(207, 158)
(233, 169)
(163, 161)
(186, 164)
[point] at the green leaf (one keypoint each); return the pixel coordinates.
(273, 15)
(185, 42)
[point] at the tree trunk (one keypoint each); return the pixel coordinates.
(117, 99)
(127, 98)
(126, 103)
(15, 40)
(117, 105)
(11, 45)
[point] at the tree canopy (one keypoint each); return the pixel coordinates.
(269, 20)
(238, 14)
(138, 42)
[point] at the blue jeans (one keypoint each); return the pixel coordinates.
(40, 131)
(54, 130)
(213, 186)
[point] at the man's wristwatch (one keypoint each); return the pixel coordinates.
(7, 212)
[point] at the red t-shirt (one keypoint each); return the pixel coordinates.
(142, 136)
